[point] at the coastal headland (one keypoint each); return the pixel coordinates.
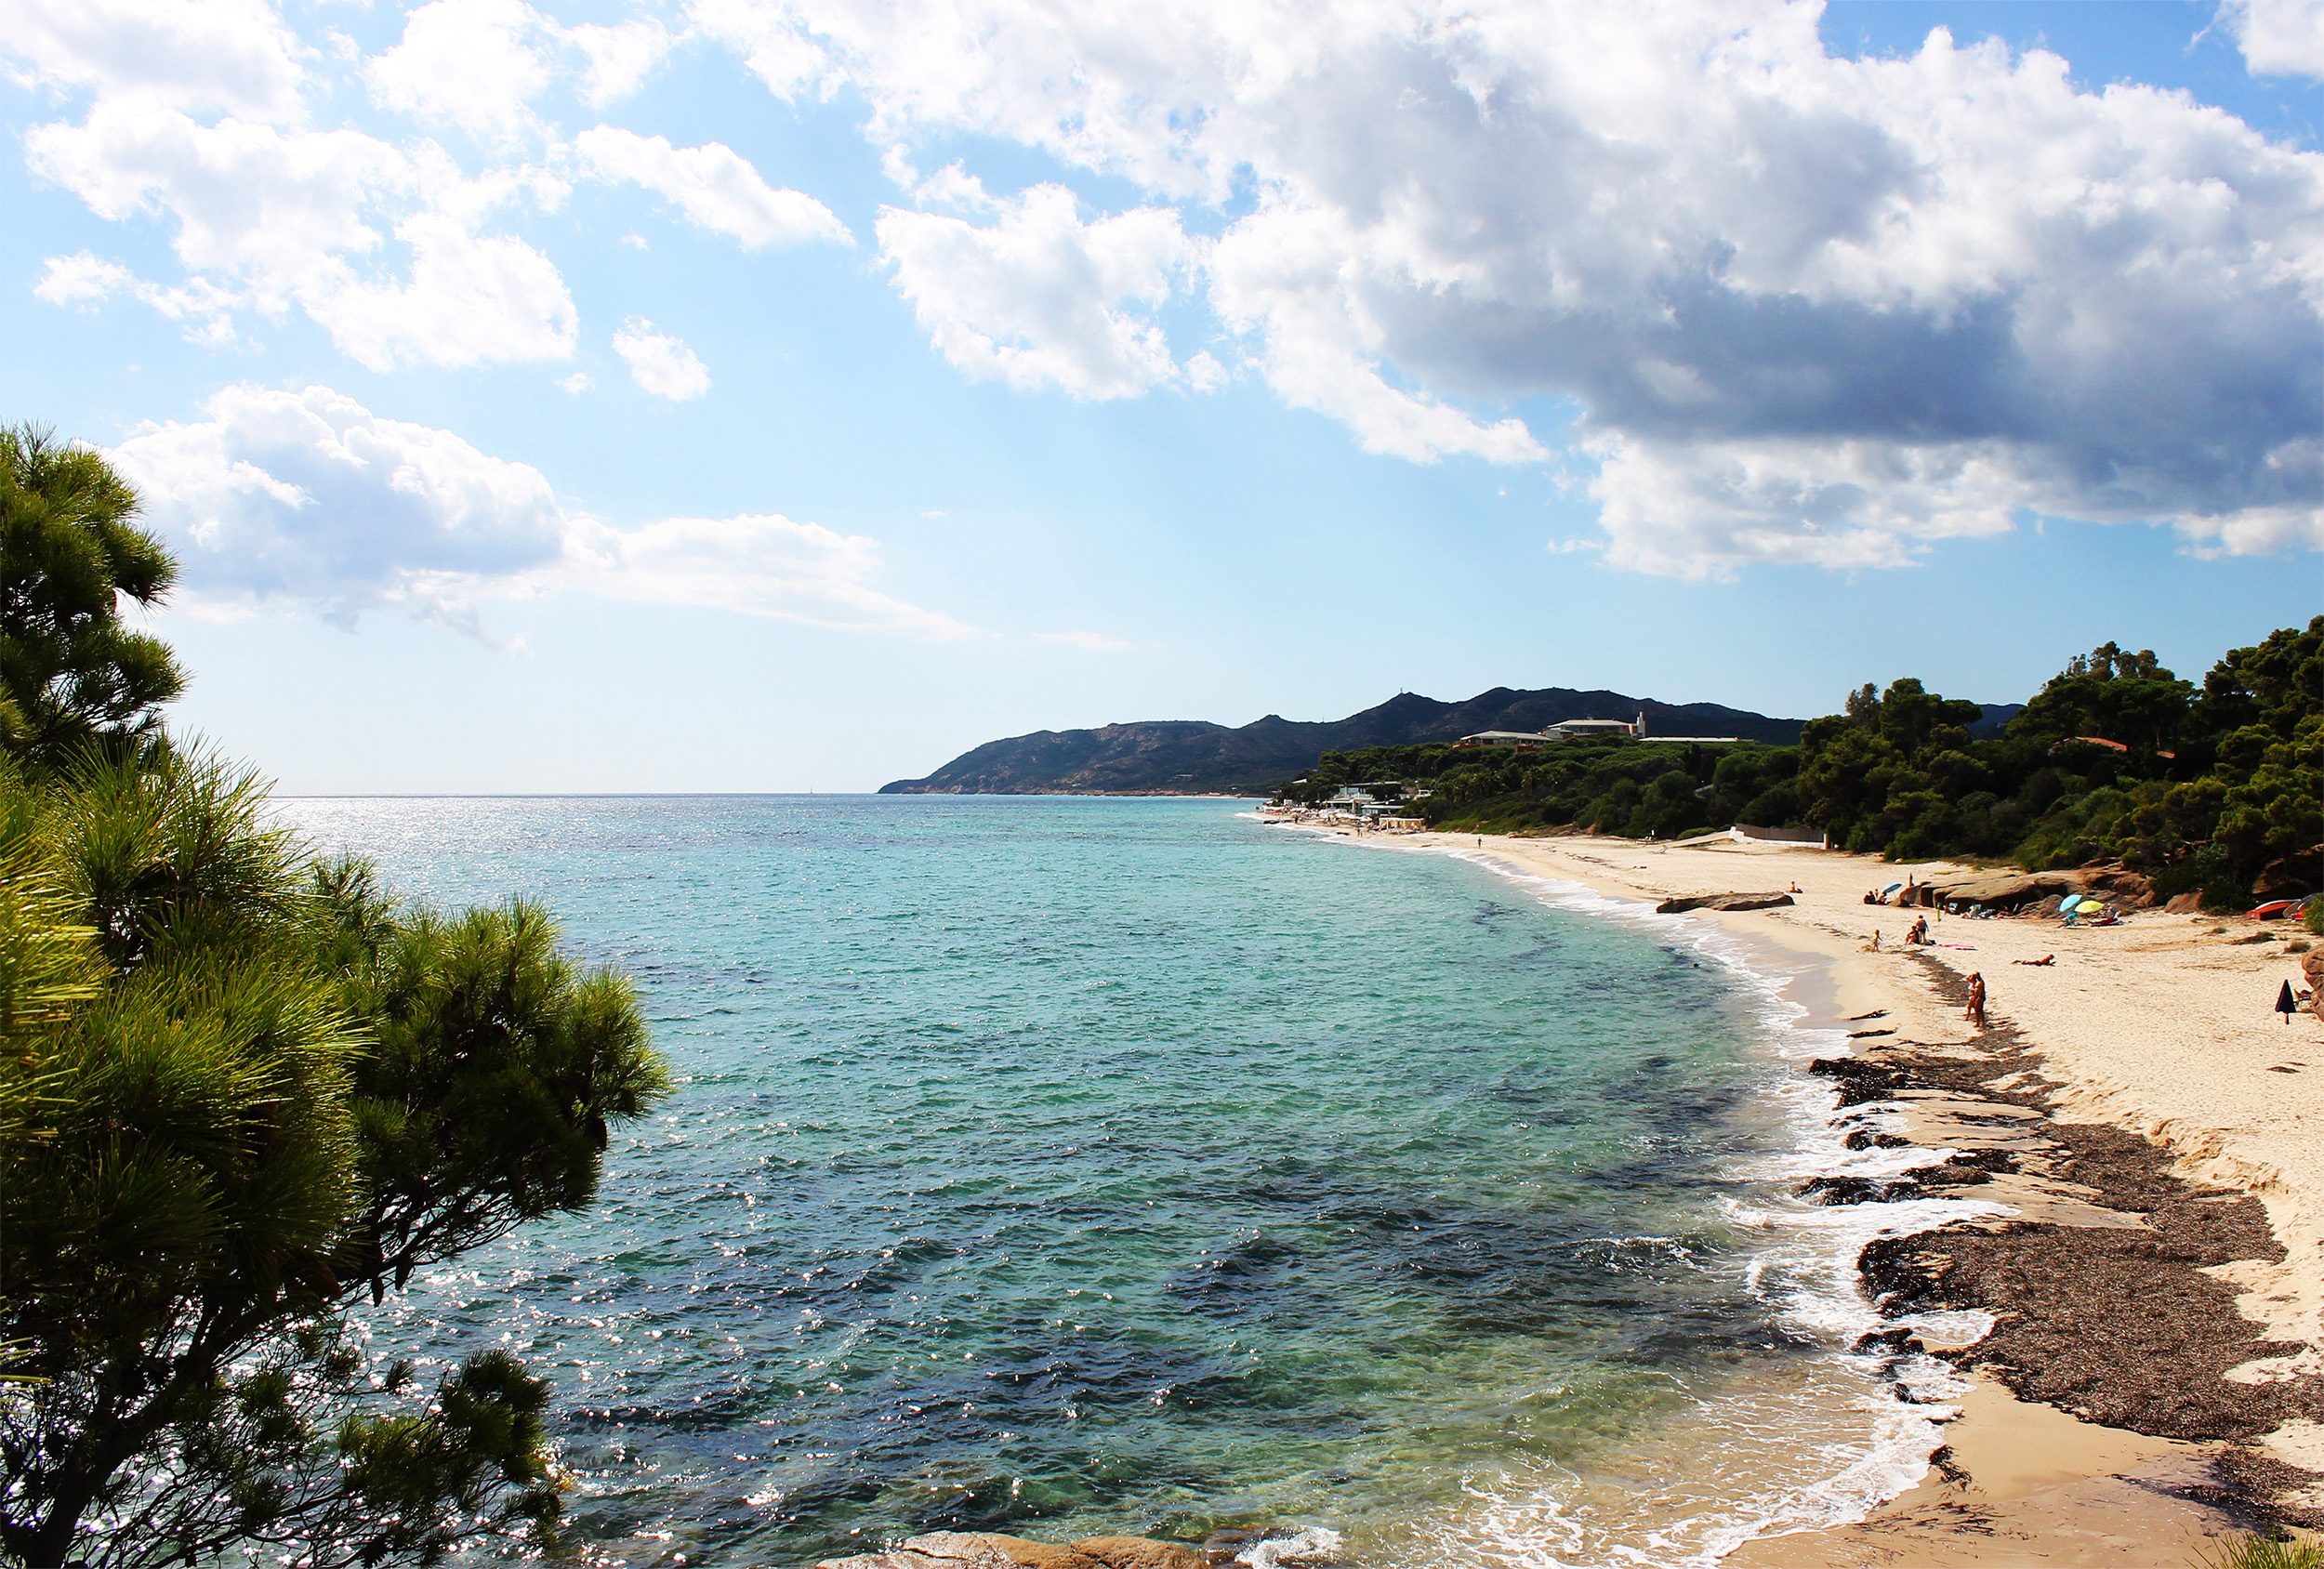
(2155, 1372)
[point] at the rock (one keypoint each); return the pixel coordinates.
(989, 1550)
(2187, 903)
(1722, 902)
(2287, 879)
(2006, 891)
(901, 1559)
(2126, 889)
(1229, 1543)
(1139, 1552)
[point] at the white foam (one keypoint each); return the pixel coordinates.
(1316, 1545)
(1806, 1272)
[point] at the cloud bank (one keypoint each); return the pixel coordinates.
(1807, 307)
(1762, 303)
(283, 498)
(200, 115)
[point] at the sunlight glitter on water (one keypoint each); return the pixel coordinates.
(1071, 1166)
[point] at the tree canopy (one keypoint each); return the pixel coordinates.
(2218, 788)
(243, 1089)
(69, 670)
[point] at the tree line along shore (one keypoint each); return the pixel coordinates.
(2216, 789)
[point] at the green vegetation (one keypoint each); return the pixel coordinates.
(2205, 789)
(2246, 1551)
(69, 669)
(242, 1089)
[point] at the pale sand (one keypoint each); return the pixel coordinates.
(2161, 1027)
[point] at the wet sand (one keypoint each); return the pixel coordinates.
(2157, 1372)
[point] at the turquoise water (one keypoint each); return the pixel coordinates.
(1067, 1166)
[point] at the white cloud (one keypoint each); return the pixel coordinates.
(713, 185)
(283, 498)
(477, 64)
(1037, 297)
(661, 365)
(470, 300)
(621, 56)
(1093, 642)
(577, 382)
(234, 56)
(1802, 307)
(85, 279)
(271, 219)
(752, 565)
(2279, 37)
(310, 497)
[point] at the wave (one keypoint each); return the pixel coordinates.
(1856, 1424)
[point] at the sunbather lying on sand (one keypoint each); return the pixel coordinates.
(2046, 958)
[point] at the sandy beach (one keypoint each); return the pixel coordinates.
(2160, 1141)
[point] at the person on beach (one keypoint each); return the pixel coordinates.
(2286, 1004)
(1920, 932)
(1974, 1012)
(2044, 960)
(1876, 938)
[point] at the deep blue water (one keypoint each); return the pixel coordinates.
(1069, 1166)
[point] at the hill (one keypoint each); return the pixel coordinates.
(1195, 757)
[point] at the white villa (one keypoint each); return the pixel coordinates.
(1574, 729)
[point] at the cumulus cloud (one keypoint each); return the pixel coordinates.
(1037, 297)
(477, 64)
(310, 497)
(1795, 307)
(713, 185)
(660, 363)
(84, 279)
(234, 56)
(283, 498)
(384, 246)
(2279, 37)
(620, 57)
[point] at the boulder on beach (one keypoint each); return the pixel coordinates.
(1139, 1552)
(2005, 890)
(990, 1549)
(1722, 901)
(2187, 903)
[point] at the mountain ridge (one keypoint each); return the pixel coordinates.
(1201, 758)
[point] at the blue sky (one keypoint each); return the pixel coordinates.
(732, 396)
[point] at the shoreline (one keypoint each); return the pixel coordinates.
(2138, 1111)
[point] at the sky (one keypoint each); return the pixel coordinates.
(731, 395)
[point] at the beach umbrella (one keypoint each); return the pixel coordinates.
(2070, 902)
(2286, 1004)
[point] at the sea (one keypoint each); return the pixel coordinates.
(1071, 1167)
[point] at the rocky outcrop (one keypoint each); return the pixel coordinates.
(2289, 877)
(2013, 891)
(1276, 1547)
(989, 1550)
(1722, 901)
(1993, 890)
